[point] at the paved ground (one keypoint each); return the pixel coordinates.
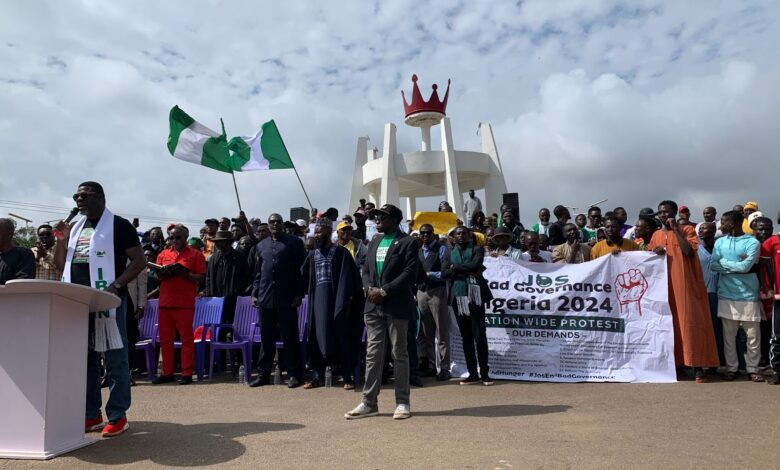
(512, 425)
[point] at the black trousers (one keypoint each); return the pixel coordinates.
(273, 323)
(346, 348)
(473, 331)
(774, 346)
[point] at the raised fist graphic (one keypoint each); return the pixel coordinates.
(630, 288)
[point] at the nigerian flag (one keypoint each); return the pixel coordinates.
(193, 142)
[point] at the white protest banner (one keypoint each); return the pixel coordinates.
(607, 320)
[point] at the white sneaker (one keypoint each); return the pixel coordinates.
(361, 411)
(402, 412)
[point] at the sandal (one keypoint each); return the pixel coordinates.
(701, 377)
(349, 386)
(758, 378)
(310, 385)
(729, 376)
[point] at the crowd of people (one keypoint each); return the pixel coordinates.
(374, 271)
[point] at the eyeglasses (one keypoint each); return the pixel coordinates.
(83, 195)
(380, 216)
(275, 221)
(175, 237)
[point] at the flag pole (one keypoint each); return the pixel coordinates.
(235, 186)
(295, 169)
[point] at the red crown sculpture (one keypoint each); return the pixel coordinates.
(418, 105)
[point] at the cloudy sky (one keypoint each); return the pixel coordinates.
(634, 101)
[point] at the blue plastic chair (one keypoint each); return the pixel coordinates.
(244, 325)
(148, 337)
(208, 311)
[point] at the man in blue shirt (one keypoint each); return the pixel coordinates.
(432, 303)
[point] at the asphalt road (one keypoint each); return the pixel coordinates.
(512, 425)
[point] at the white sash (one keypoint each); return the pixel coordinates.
(101, 275)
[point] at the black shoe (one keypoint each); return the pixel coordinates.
(163, 379)
(415, 382)
(774, 380)
(470, 380)
(444, 376)
(259, 381)
(132, 382)
(429, 372)
(293, 382)
(185, 380)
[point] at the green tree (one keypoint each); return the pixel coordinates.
(26, 237)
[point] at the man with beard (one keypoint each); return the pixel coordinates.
(614, 243)
(176, 311)
(334, 289)
(643, 231)
(694, 338)
(94, 252)
(573, 251)
(543, 226)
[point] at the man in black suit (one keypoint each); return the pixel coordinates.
(389, 276)
(277, 290)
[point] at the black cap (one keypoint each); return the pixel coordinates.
(389, 210)
(211, 221)
(502, 232)
(648, 212)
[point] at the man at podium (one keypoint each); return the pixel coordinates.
(94, 252)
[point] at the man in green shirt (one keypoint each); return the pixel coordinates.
(389, 278)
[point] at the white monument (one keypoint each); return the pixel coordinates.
(426, 172)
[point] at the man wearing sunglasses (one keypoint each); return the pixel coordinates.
(277, 290)
(80, 250)
(176, 308)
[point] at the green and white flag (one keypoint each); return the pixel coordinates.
(193, 142)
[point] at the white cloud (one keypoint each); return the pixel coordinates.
(634, 101)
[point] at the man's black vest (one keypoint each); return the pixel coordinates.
(431, 264)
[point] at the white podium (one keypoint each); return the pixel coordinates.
(43, 366)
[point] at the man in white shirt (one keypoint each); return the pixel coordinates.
(471, 205)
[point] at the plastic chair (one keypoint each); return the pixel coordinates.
(148, 339)
(243, 326)
(208, 311)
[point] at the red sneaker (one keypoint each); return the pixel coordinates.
(115, 428)
(94, 425)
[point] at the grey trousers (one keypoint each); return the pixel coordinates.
(435, 321)
(378, 328)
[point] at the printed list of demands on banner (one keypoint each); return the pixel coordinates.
(567, 326)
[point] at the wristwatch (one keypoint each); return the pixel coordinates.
(382, 293)
(116, 285)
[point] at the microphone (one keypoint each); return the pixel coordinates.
(71, 215)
